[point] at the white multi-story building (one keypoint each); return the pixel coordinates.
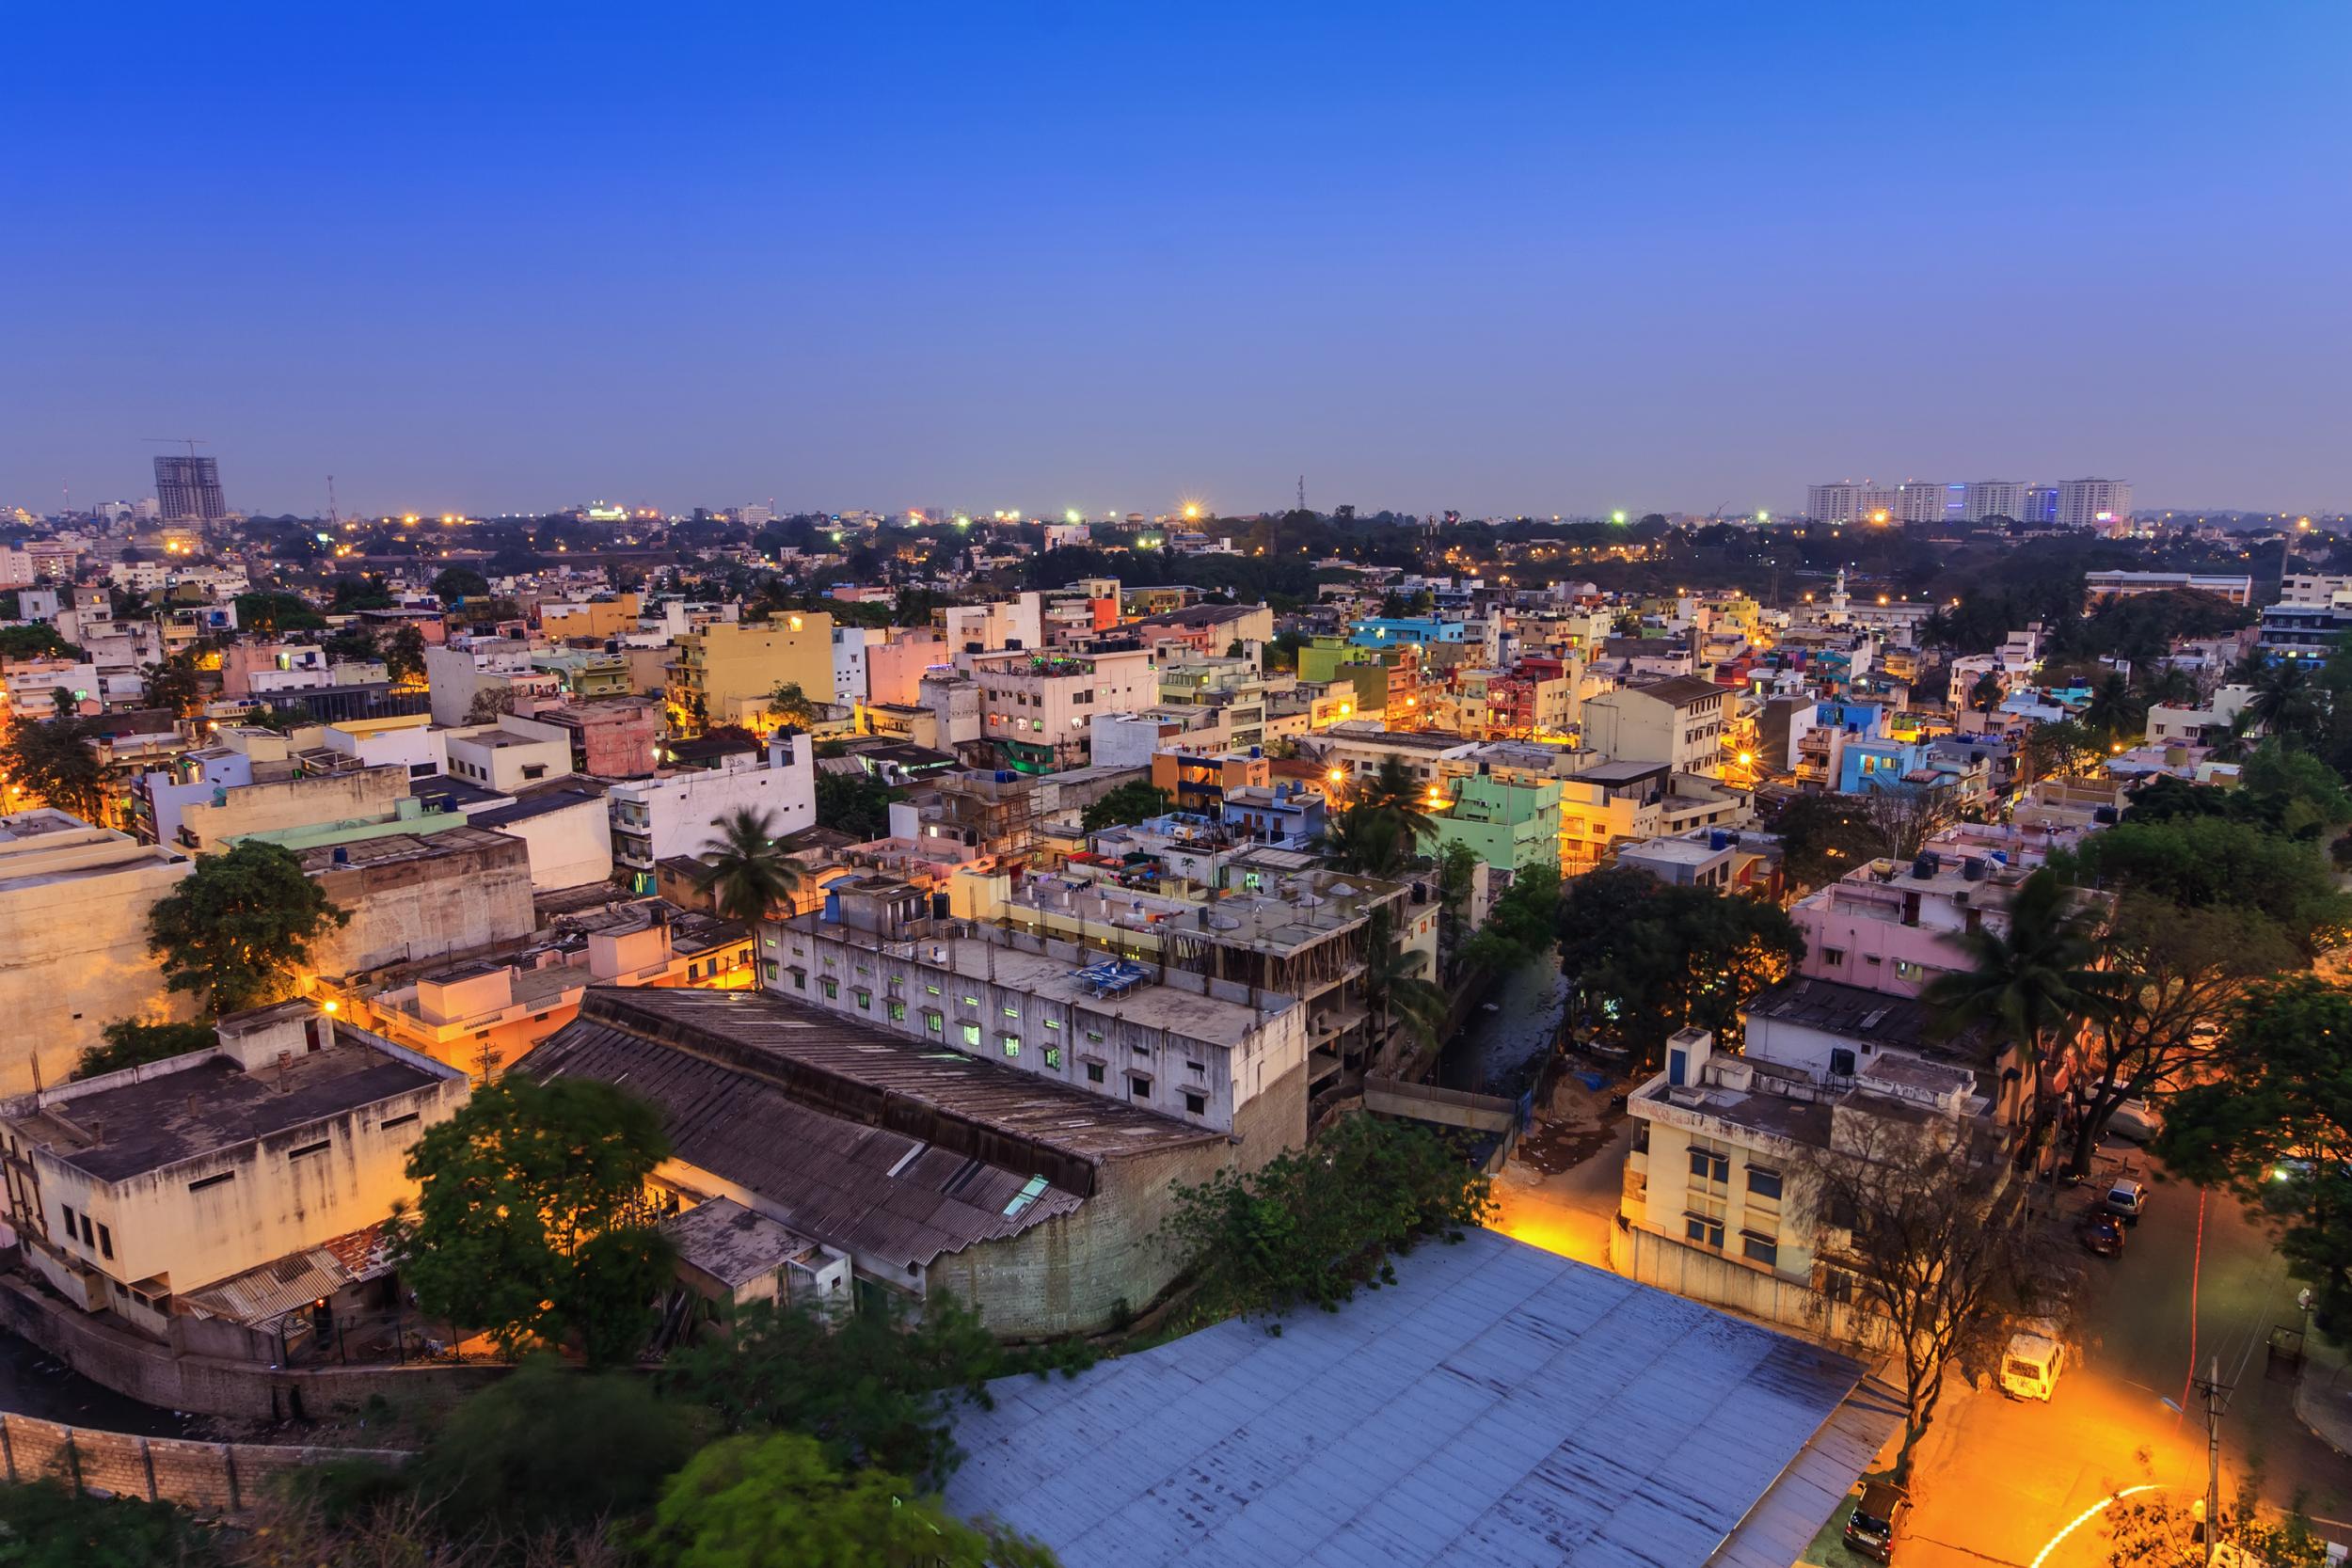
(2089, 502)
(674, 813)
(849, 662)
(1920, 501)
(1994, 498)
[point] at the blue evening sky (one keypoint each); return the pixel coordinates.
(1543, 258)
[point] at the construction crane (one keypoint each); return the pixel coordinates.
(192, 442)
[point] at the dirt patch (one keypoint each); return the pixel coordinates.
(1574, 1126)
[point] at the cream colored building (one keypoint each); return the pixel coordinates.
(1677, 721)
(280, 805)
(73, 927)
(157, 1192)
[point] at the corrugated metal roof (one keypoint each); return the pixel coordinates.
(1497, 1405)
(261, 1295)
(867, 1189)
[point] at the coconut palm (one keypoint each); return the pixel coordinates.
(2034, 983)
(744, 870)
(1394, 988)
(2116, 710)
(1393, 788)
(1364, 839)
(2287, 703)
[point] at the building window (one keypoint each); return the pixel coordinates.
(865, 1000)
(934, 1023)
(1052, 1024)
(87, 1239)
(769, 966)
(1012, 1044)
(1094, 1038)
(971, 1033)
(1138, 1086)
(1759, 1248)
(390, 1122)
(930, 991)
(69, 1231)
(1709, 1165)
(1836, 1284)
(1833, 957)
(1705, 1231)
(319, 1147)
(1764, 1183)
(897, 1012)
(105, 1242)
(1094, 1073)
(200, 1185)
(1052, 1056)
(1196, 1104)
(1906, 970)
(1011, 1011)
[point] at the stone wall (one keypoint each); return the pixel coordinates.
(210, 1385)
(212, 1477)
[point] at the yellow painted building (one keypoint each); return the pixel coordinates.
(725, 674)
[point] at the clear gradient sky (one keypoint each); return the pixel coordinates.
(1542, 257)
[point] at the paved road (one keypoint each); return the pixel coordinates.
(1998, 1478)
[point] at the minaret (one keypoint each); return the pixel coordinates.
(1838, 600)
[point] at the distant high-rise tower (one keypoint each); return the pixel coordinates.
(187, 490)
(1996, 498)
(2089, 502)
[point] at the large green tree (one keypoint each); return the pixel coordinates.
(745, 871)
(749, 1501)
(1645, 958)
(876, 1385)
(2214, 861)
(854, 803)
(528, 1223)
(237, 930)
(1136, 800)
(551, 1447)
(2273, 1122)
(1311, 1224)
(456, 584)
(54, 759)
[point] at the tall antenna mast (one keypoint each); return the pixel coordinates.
(333, 521)
(1302, 491)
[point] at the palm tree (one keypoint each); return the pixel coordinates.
(1394, 987)
(2169, 685)
(1364, 839)
(2037, 983)
(744, 870)
(2117, 711)
(2287, 701)
(1393, 789)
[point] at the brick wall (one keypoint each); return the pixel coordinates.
(208, 1476)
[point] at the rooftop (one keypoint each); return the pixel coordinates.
(1684, 691)
(1498, 1404)
(733, 1244)
(131, 1129)
(398, 847)
(1853, 1013)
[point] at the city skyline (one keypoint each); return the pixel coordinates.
(1521, 262)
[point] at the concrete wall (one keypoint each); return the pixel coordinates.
(256, 808)
(570, 847)
(74, 950)
(206, 1386)
(451, 902)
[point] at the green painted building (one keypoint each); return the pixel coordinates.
(1511, 827)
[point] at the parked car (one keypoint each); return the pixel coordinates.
(2102, 1233)
(1876, 1520)
(2136, 1119)
(2127, 1200)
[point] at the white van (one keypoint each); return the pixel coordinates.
(2030, 1367)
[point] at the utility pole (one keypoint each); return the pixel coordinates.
(2215, 1390)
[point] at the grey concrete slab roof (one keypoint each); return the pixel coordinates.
(1499, 1407)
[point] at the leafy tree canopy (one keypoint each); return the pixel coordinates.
(527, 1223)
(237, 930)
(1311, 1224)
(270, 613)
(874, 1386)
(854, 803)
(2207, 860)
(550, 1446)
(132, 1043)
(38, 640)
(753, 1500)
(454, 584)
(1134, 802)
(1645, 958)
(2273, 1122)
